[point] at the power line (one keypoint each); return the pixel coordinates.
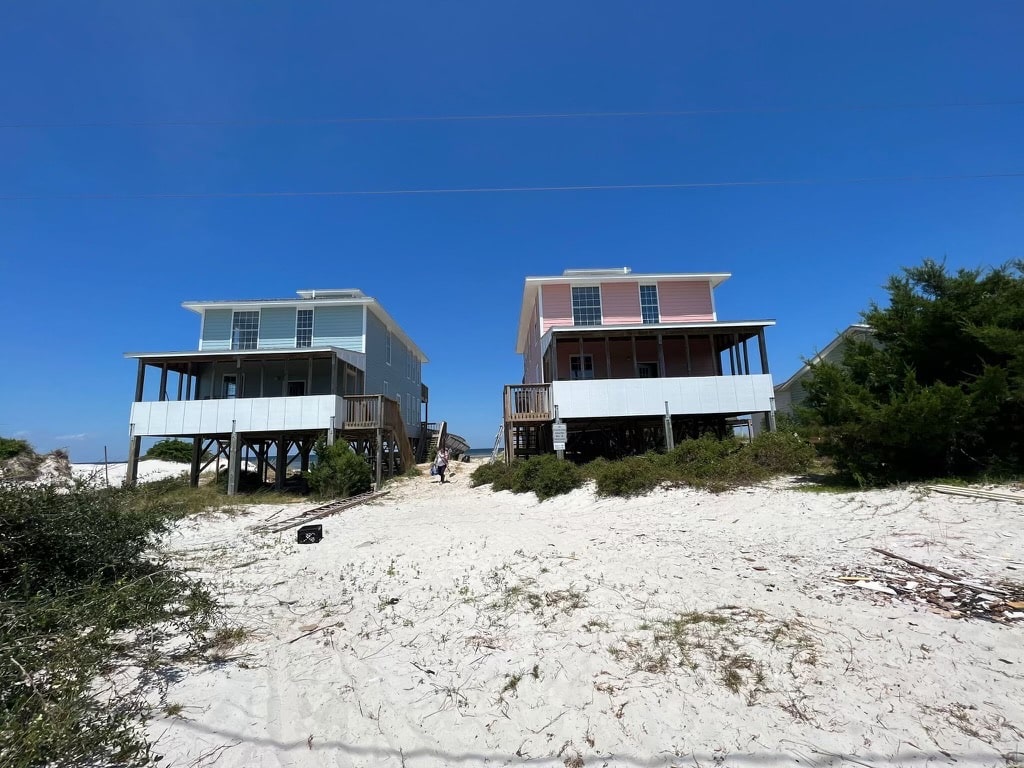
(493, 190)
(312, 121)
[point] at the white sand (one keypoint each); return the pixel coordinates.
(466, 627)
(149, 470)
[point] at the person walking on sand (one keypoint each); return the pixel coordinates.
(441, 463)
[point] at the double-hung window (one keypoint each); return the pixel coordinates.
(245, 329)
(581, 367)
(586, 305)
(649, 304)
(387, 347)
(304, 328)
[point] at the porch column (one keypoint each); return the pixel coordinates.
(607, 358)
(309, 377)
(140, 380)
(689, 364)
(763, 350)
(554, 357)
(380, 456)
(636, 367)
(234, 461)
(197, 456)
(263, 375)
(163, 382)
(334, 374)
(746, 358)
(661, 357)
(280, 467)
(181, 382)
(134, 445)
(188, 384)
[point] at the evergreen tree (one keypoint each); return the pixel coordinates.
(939, 389)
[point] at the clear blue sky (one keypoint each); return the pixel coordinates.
(85, 280)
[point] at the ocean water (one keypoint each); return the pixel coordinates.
(479, 452)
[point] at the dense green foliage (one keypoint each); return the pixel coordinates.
(80, 598)
(9, 447)
(171, 450)
(545, 475)
(338, 471)
(707, 462)
(939, 391)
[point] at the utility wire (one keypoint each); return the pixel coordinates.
(302, 121)
(492, 190)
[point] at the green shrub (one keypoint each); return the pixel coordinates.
(171, 450)
(9, 447)
(338, 471)
(80, 596)
(781, 452)
(632, 476)
(496, 472)
(546, 475)
(706, 462)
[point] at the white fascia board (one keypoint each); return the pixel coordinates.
(649, 327)
(389, 323)
(530, 292)
(199, 306)
(257, 353)
(715, 278)
(829, 348)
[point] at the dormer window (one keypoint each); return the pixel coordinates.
(586, 305)
(245, 329)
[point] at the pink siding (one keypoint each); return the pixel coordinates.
(620, 303)
(702, 361)
(556, 305)
(682, 301)
(532, 373)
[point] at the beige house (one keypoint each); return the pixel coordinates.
(791, 392)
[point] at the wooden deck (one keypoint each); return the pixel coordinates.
(528, 403)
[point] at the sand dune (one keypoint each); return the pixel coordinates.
(457, 626)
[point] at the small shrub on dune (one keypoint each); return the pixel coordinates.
(339, 472)
(632, 476)
(10, 447)
(781, 452)
(546, 476)
(493, 472)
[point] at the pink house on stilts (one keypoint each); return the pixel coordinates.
(630, 363)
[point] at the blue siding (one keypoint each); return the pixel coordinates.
(338, 327)
(277, 328)
(396, 374)
(216, 329)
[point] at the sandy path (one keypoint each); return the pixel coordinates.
(480, 628)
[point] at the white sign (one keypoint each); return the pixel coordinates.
(559, 433)
(559, 446)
